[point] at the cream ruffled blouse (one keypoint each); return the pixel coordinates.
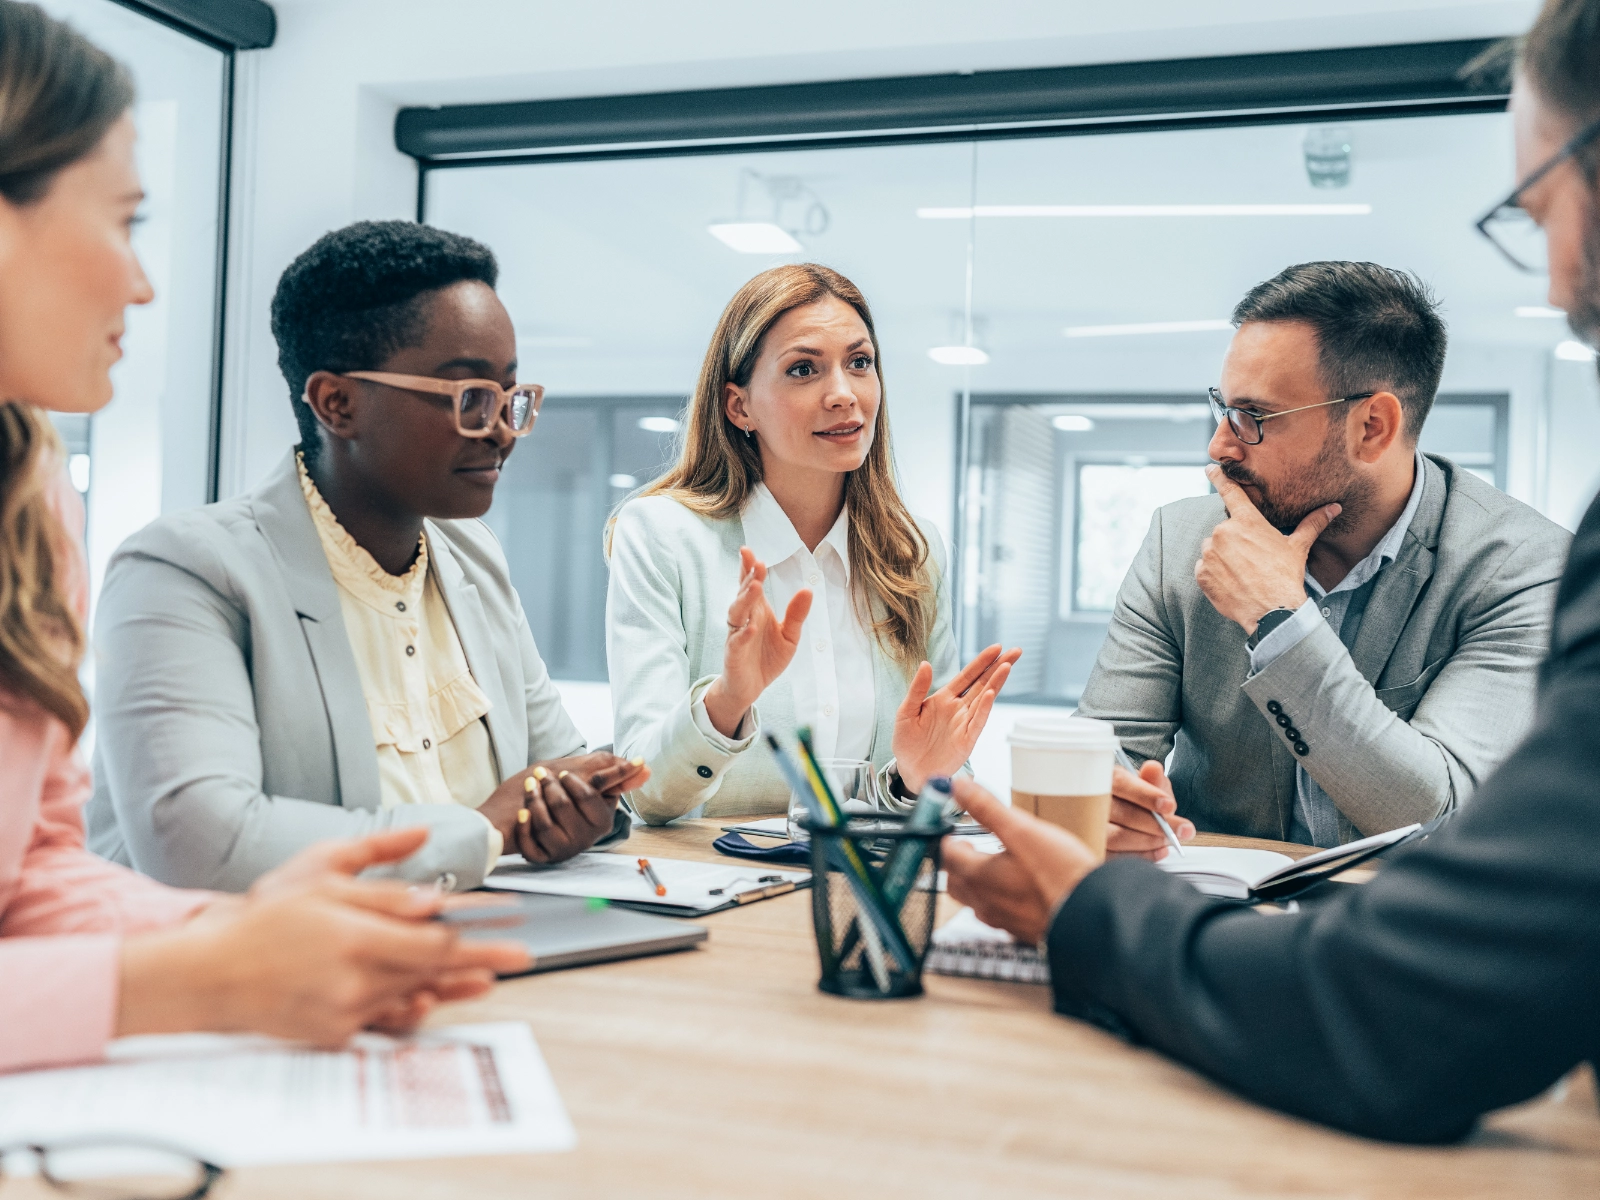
(425, 707)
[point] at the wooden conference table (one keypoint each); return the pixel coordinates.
(724, 1072)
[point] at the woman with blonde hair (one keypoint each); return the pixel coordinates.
(783, 498)
(89, 950)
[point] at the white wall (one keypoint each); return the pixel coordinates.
(314, 145)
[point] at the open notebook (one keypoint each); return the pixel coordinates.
(1243, 874)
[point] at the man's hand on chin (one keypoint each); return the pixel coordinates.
(1246, 567)
(1019, 889)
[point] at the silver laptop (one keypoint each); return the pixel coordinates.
(560, 931)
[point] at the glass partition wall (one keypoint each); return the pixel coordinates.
(1051, 310)
(152, 449)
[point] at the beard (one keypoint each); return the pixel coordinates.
(1584, 319)
(1332, 480)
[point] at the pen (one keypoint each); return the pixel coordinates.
(1166, 830)
(651, 877)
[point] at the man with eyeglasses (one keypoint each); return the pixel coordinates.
(1466, 975)
(1344, 639)
(341, 651)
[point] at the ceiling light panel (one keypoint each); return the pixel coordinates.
(1089, 331)
(958, 356)
(1145, 210)
(754, 237)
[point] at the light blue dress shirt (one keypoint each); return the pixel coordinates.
(1316, 816)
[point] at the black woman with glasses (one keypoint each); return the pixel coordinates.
(341, 650)
(1343, 639)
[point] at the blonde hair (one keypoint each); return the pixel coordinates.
(718, 466)
(40, 638)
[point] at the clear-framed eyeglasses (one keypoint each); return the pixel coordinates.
(112, 1169)
(480, 404)
(1246, 425)
(1508, 226)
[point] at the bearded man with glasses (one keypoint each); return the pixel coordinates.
(1343, 640)
(1464, 976)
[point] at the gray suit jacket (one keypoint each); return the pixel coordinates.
(231, 726)
(1436, 691)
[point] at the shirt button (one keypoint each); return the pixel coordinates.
(426, 744)
(410, 650)
(813, 578)
(822, 647)
(1327, 612)
(703, 772)
(827, 710)
(400, 604)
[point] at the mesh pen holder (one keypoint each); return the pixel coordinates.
(860, 957)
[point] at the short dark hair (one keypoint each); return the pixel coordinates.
(1377, 328)
(357, 296)
(1561, 57)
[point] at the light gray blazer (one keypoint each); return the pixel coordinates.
(231, 726)
(1436, 691)
(673, 575)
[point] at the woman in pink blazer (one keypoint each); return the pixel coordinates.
(89, 950)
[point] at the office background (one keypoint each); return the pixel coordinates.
(1100, 330)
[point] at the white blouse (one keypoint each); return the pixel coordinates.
(831, 673)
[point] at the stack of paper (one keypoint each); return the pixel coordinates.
(246, 1101)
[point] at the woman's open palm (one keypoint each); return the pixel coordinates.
(759, 645)
(934, 734)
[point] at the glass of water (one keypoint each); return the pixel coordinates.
(854, 783)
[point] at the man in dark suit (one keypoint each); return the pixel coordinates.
(1466, 975)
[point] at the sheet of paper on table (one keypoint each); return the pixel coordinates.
(692, 887)
(248, 1101)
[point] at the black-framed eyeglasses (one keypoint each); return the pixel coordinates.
(1246, 425)
(118, 1169)
(1508, 226)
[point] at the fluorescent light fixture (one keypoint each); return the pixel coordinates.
(554, 341)
(958, 356)
(1539, 311)
(1145, 210)
(659, 424)
(1570, 351)
(78, 471)
(1084, 331)
(624, 482)
(754, 237)
(1072, 423)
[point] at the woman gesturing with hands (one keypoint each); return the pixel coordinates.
(784, 501)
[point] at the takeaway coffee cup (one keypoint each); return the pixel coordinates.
(1061, 773)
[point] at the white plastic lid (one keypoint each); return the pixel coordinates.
(1063, 733)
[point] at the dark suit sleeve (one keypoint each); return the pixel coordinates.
(1464, 977)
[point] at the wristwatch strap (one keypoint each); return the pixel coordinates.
(1267, 624)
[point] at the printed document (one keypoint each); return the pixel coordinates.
(246, 1101)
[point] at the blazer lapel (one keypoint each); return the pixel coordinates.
(285, 521)
(1398, 585)
(472, 627)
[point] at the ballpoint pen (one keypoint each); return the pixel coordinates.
(1172, 839)
(651, 877)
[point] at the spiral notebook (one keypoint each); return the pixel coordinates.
(964, 945)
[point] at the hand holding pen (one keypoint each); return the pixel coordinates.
(1141, 803)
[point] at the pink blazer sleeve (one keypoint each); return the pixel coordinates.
(63, 911)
